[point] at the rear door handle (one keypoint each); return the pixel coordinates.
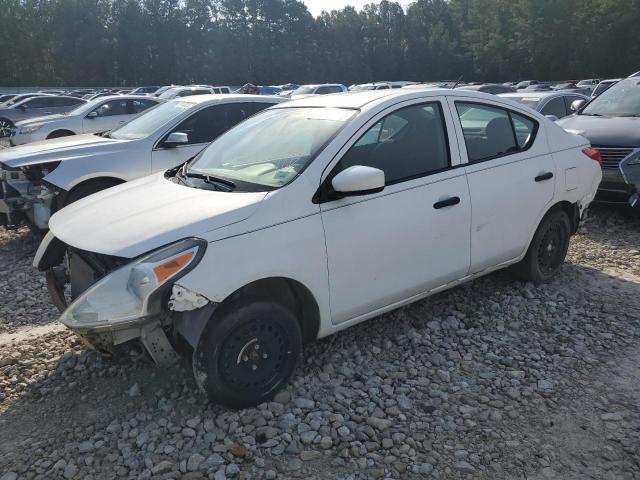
(449, 202)
(544, 176)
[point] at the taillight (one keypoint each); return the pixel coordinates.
(593, 154)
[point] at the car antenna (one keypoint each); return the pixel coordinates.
(457, 82)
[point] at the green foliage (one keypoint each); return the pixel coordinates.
(134, 42)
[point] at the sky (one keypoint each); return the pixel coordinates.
(317, 6)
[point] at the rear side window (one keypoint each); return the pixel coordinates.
(40, 102)
(491, 132)
(408, 143)
(141, 105)
(328, 89)
(67, 101)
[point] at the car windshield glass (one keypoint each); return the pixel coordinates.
(271, 148)
(531, 102)
(170, 93)
(361, 88)
(621, 100)
(304, 90)
(145, 124)
(86, 107)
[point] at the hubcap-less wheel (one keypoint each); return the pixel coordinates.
(5, 128)
(550, 249)
(248, 351)
(252, 355)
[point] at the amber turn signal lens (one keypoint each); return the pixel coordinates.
(174, 265)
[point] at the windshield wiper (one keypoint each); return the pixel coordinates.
(213, 180)
(591, 114)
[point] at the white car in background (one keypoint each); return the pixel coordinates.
(311, 90)
(99, 115)
(313, 216)
(40, 178)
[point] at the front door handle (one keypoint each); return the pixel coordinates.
(449, 202)
(544, 176)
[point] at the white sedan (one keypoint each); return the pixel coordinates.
(99, 115)
(313, 216)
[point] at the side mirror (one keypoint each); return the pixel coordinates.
(576, 105)
(93, 114)
(176, 138)
(358, 180)
(553, 118)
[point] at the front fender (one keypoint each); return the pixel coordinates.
(50, 252)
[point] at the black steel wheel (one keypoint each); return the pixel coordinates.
(247, 353)
(548, 249)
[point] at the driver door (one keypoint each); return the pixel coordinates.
(107, 116)
(412, 237)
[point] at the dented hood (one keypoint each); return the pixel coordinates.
(60, 149)
(139, 216)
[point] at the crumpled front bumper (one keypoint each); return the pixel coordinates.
(21, 200)
(630, 169)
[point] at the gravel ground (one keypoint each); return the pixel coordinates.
(497, 379)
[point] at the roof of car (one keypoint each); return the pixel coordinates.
(229, 98)
(539, 95)
(360, 99)
(127, 97)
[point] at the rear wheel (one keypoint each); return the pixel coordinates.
(548, 249)
(6, 127)
(247, 353)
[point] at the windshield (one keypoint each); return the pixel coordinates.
(531, 102)
(304, 90)
(153, 118)
(621, 100)
(271, 148)
(170, 93)
(361, 88)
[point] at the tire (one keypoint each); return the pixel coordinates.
(89, 188)
(60, 134)
(247, 353)
(6, 126)
(548, 249)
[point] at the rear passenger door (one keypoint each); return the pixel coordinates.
(202, 127)
(510, 174)
(412, 237)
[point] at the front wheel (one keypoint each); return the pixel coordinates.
(247, 353)
(548, 249)
(6, 127)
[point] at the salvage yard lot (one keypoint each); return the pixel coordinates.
(494, 379)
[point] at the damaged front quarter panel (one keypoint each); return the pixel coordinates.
(630, 168)
(193, 312)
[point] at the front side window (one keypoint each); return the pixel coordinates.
(491, 132)
(111, 108)
(408, 143)
(271, 148)
(555, 107)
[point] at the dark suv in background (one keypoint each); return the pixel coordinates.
(611, 122)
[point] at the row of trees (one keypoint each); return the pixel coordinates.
(133, 42)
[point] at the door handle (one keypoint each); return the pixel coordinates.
(449, 202)
(544, 176)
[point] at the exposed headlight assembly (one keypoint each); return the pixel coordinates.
(30, 128)
(134, 291)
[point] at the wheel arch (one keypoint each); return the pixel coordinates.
(61, 130)
(288, 293)
(61, 201)
(571, 209)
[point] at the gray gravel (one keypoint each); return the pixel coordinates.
(495, 379)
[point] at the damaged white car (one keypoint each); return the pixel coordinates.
(313, 216)
(40, 178)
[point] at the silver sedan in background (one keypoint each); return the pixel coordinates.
(11, 113)
(553, 104)
(99, 115)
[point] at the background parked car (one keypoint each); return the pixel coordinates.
(526, 83)
(493, 88)
(556, 104)
(34, 107)
(589, 83)
(99, 115)
(176, 92)
(145, 90)
(611, 121)
(81, 92)
(74, 167)
(6, 97)
(20, 97)
(604, 85)
(322, 89)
